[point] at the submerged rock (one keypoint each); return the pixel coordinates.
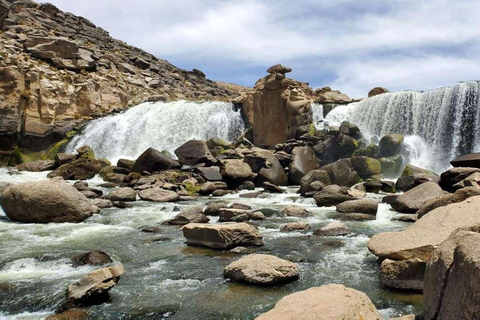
(329, 302)
(46, 201)
(262, 269)
(222, 236)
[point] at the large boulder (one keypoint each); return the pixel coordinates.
(152, 160)
(158, 195)
(189, 215)
(267, 167)
(93, 289)
(236, 170)
(332, 196)
(122, 194)
(411, 170)
(412, 200)
(390, 145)
(459, 196)
(263, 269)
(194, 151)
(403, 274)
(303, 161)
(36, 166)
(45, 202)
(366, 167)
(321, 178)
(81, 169)
(471, 160)
(422, 237)
(342, 173)
(367, 206)
(222, 236)
(452, 278)
(328, 302)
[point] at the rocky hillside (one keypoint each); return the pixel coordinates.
(58, 69)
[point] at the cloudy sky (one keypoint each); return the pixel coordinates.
(350, 45)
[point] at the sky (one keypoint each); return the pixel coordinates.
(349, 45)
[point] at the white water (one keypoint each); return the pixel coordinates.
(443, 123)
(163, 126)
(317, 115)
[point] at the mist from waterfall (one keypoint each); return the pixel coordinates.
(161, 125)
(439, 124)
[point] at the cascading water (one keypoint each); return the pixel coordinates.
(163, 126)
(317, 115)
(439, 124)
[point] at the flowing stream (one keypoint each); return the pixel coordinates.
(165, 278)
(161, 125)
(439, 124)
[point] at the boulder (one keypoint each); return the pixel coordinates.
(222, 236)
(278, 68)
(331, 197)
(85, 152)
(267, 167)
(93, 289)
(472, 180)
(63, 158)
(270, 187)
(342, 173)
(459, 196)
(390, 145)
(262, 269)
(295, 211)
(366, 167)
(122, 194)
(295, 226)
(207, 188)
(94, 258)
(45, 202)
(189, 215)
(125, 163)
(376, 91)
(152, 160)
(412, 200)
(213, 208)
(370, 151)
(451, 284)
(391, 166)
(454, 176)
(236, 170)
(232, 214)
(36, 166)
(403, 274)
(303, 161)
(73, 314)
(350, 129)
(422, 237)
(328, 302)
(320, 176)
(81, 169)
(102, 203)
(158, 195)
(210, 173)
(471, 160)
(194, 151)
(333, 229)
(411, 170)
(366, 206)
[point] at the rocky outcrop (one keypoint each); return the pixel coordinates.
(451, 285)
(59, 70)
(45, 202)
(222, 236)
(328, 302)
(376, 91)
(261, 269)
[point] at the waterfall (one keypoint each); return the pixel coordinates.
(439, 124)
(163, 126)
(317, 115)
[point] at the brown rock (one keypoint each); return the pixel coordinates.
(94, 258)
(158, 195)
(333, 229)
(412, 200)
(366, 206)
(295, 226)
(303, 161)
(403, 274)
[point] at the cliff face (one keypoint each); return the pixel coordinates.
(58, 69)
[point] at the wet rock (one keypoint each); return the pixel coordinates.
(371, 151)
(326, 198)
(353, 217)
(237, 215)
(366, 167)
(64, 158)
(391, 166)
(222, 236)
(328, 302)
(376, 91)
(390, 198)
(36, 166)
(93, 289)
(213, 208)
(262, 269)
(390, 145)
(122, 204)
(81, 169)
(46, 201)
(207, 188)
(321, 177)
(295, 211)
(73, 314)
(451, 285)
(303, 161)
(250, 195)
(210, 173)
(373, 186)
(85, 152)
(267, 167)
(221, 193)
(189, 215)
(388, 186)
(236, 170)
(350, 129)
(102, 203)
(471, 160)
(366, 206)
(295, 226)
(423, 236)
(126, 163)
(459, 196)
(94, 258)
(342, 173)
(412, 200)
(270, 187)
(246, 185)
(240, 250)
(158, 195)
(194, 151)
(403, 274)
(152, 160)
(257, 216)
(122, 194)
(333, 229)
(411, 170)
(241, 206)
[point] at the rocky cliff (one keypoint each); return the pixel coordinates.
(58, 69)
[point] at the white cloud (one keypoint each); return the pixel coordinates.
(361, 42)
